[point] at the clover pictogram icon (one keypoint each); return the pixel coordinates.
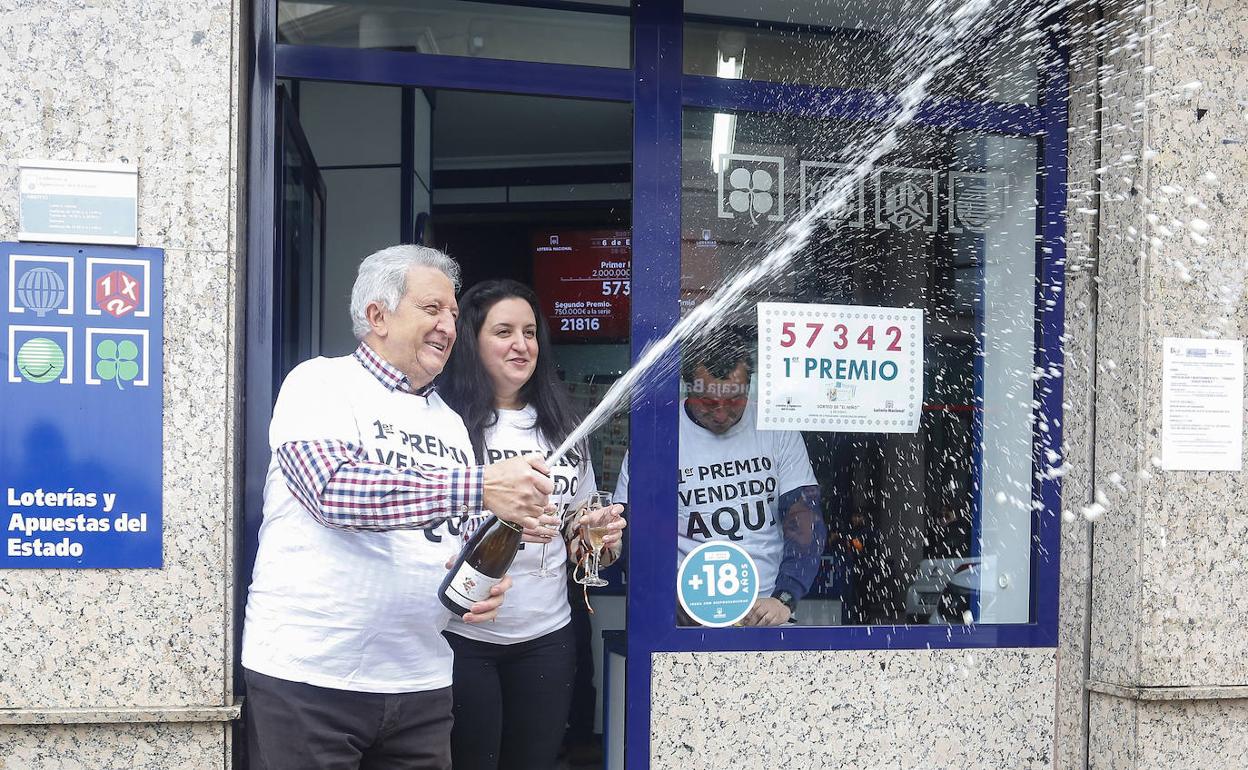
(117, 361)
(751, 191)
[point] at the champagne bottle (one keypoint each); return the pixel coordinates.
(481, 565)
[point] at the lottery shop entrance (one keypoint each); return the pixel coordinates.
(526, 138)
(520, 186)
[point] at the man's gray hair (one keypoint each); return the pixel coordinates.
(383, 278)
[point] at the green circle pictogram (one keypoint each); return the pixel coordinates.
(40, 360)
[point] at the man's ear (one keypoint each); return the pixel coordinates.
(376, 316)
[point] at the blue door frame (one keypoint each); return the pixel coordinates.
(659, 90)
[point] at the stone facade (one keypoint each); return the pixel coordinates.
(970, 709)
(1167, 652)
(134, 668)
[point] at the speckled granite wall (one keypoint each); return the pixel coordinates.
(150, 83)
(1204, 734)
(1070, 744)
(1170, 581)
(1114, 744)
(1171, 590)
(1120, 313)
(154, 746)
(973, 710)
(1195, 580)
(1147, 733)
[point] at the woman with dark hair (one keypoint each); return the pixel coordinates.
(513, 679)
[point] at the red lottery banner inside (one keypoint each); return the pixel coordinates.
(582, 278)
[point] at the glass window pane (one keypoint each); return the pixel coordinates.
(457, 28)
(929, 526)
(852, 45)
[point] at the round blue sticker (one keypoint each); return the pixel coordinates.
(718, 583)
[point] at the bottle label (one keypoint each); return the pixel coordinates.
(470, 586)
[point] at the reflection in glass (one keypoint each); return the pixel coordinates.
(859, 46)
(459, 28)
(929, 527)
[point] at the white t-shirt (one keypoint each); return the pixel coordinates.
(730, 487)
(535, 606)
(345, 609)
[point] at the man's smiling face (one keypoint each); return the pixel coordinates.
(718, 404)
(416, 337)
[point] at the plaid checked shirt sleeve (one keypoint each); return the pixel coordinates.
(342, 489)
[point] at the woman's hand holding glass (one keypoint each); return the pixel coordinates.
(610, 521)
(601, 527)
(547, 528)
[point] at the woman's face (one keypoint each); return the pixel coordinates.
(507, 344)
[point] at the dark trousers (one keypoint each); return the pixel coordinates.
(297, 726)
(584, 696)
(511, 701)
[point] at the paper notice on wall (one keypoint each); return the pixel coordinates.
(1202, 404)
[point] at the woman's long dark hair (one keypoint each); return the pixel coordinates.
(466, 387)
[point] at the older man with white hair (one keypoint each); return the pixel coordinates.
(370, 475)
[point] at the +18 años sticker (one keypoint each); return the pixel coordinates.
(717, 583)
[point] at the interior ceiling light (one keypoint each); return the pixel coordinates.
(730, 63)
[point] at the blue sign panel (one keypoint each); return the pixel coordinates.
(717, 583)
(80, 406)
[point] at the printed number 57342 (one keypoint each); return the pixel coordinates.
(789, 337)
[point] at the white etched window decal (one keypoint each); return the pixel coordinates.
(976, 199)
(816, 178)
(905, 199)
(753, 185)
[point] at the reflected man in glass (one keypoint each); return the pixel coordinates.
(753, 487)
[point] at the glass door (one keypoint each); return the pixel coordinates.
(299, 243)
(500, 133)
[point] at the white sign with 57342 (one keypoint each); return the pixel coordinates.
(841, 368)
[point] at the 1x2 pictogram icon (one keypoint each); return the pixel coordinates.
(118, 287)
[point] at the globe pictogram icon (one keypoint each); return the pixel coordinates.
(41, 290)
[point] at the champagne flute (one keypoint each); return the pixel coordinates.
(592, 537)
(543, 571)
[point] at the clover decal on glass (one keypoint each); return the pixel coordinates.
(751, 192)
(117, 361)
(753, 185)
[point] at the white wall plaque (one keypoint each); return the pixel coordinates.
(64, 202)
